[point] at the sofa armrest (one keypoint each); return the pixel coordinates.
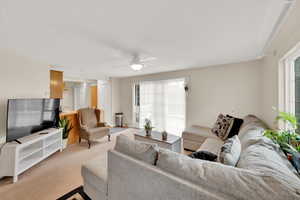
(204, 128)
(198, 130)
(198, 133)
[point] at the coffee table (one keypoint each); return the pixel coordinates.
(172, 143)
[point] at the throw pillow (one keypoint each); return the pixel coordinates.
(237, 123)
(221, 126)
(204, 155)
(230, 151)
(296, 161)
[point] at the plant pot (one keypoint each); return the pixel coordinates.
(164, 135)
(64, 143)
(148, 132)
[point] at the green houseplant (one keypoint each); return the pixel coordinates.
(287, 138)
(148, 127)
(66, 126)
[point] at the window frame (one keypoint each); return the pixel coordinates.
(135, 109)
(286, 94)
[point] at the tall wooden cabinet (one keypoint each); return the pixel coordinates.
(94, 96)
(56, 84)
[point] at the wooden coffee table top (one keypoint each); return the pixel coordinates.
(157, 136)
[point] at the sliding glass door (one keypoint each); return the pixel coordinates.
(163, 102)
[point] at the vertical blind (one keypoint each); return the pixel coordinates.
(163, 102)
(297, 88)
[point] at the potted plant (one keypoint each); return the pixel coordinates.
(66, 126)
(288, 139)
(164, 135)
(148, 127)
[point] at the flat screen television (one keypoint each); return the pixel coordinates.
(27, 116)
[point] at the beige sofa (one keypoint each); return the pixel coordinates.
(135, 172)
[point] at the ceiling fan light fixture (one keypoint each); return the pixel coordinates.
(136, 67)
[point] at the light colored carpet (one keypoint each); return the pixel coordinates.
(58, 175)
(116, 130)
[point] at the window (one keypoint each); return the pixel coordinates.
(297, 88)
(163, 102)
(289, 83)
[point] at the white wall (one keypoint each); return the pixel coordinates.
(233, 89)
(116, 101)
(286, 39)
(20, 78)
(68, 97)
(105, 100)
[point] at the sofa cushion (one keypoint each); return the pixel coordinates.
(142, 151)
(251, 122)
(250, 136)
(94, 172)
(251, 129)
(180, 165)
(252, 119)
(230, 151)
(265, 156)
(225, 182)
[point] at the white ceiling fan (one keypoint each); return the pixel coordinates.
(138, 56)
(138, 64)
(135, 58)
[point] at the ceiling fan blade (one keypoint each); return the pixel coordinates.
(148, 59)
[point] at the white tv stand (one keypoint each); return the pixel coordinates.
(16, 158)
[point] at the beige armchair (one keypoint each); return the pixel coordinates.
(90, 127)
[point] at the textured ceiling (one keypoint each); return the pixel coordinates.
(98, 38)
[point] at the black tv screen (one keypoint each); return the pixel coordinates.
(27, 116)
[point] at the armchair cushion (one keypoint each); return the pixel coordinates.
(87, 117)
(97, 130)
(101, 124)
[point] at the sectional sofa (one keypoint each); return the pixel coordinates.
(138, 171)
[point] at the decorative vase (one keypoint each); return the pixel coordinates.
(148, 132)
(164, 135)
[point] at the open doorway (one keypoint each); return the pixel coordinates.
(79, 94)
